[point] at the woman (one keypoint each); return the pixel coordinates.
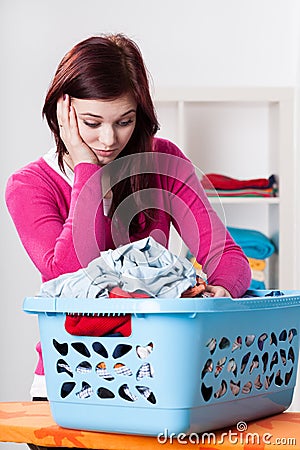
(108, 180)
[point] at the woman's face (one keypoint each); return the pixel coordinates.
(106, 125)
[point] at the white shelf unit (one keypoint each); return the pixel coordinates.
(246, 133)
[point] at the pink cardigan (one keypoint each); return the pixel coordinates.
(63, 228)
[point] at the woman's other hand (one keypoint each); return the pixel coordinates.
(217, 291)
(77, 150)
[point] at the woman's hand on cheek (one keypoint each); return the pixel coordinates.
(217, 291)
(78, 150)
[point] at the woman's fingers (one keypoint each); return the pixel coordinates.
(59, 111)
(65, 107)
(217, 291)
(67, 122)
(63, 117)
(75, 138)
(78, 150)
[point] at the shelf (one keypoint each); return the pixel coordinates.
(243, 132)
(245, 200)
(223, 94)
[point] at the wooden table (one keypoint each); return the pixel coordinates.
(31, 422)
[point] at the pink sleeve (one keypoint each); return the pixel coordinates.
(40, 365)
(59, 238)
(201, 228)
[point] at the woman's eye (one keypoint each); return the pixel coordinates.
(125, 123)
(91, 124)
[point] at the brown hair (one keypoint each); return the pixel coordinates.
(106, 67)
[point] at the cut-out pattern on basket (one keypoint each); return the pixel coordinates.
(278, 380)
(100, 349)
(232, 366)
(291, 335)
(145, 391)
(265, 359)
(61, 348)
(237, 344)
(144, 352)
(107, 370)
(146, 370)
(86, 390)
(81, 348)
(288, 376)
(254, 364)
(125, 392)
(291, 355)
(121, 350)
(122, 369)
(247, 363)
(257, 382)
(67, 388)
(224, 343)
(84, 367)
(102, 371)
(206, 392)
(261, 341)
(235, 387)
(249, 339)
(208, 367)
(63, 367)
(268, 381)
(273, 339)
(222, 390)
(103, 392)
(211, 345)
(220, 365)
(247, 388)
(283, 335)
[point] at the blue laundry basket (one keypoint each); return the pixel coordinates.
(189, 365)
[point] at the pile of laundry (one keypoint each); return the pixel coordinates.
(139, 269)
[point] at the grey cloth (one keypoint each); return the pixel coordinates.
(142, 266)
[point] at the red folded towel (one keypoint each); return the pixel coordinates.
(219, 181)
(100, 326)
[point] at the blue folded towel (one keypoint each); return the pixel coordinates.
(254, 243)
(255, 284)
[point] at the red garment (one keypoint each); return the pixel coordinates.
(100, 326)
(219, 181)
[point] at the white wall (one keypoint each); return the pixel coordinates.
(196, 42)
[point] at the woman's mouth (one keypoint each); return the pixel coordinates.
(104, 153)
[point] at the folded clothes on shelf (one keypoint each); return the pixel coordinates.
(257, 247)
(254, 243)
(222, 185)
(257, 264)
(256, 284)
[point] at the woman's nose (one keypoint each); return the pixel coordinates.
(107, 136)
